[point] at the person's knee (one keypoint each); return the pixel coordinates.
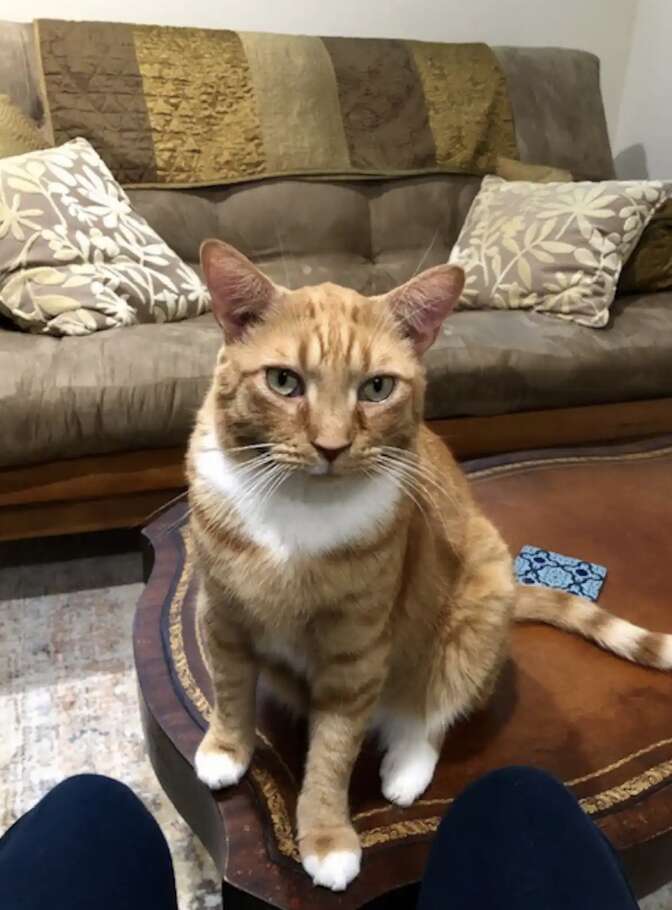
(89, 786)
(96, 804)
(91, 790)
(519, 781)
(506, 793)
(493, 808)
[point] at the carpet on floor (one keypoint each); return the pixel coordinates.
(69, 702)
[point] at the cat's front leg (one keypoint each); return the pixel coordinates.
(344, 693)
(225, 753)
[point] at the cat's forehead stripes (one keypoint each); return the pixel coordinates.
(326, 326)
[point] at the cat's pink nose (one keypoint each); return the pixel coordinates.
(331, 453)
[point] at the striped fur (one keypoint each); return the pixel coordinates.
(575, 614)
(370, 591)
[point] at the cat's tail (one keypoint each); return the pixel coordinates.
(576, 614)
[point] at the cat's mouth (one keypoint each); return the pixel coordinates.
(326, 470)
(322, 469)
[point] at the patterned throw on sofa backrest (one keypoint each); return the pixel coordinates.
(369, 235)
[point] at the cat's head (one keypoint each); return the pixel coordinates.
(321, 378)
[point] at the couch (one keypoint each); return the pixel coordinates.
(94, 428)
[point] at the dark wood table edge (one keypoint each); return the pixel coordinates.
(215, 817)
(575, 453)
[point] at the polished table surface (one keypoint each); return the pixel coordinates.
(602, 725)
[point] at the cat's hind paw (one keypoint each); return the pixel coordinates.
(407, 771)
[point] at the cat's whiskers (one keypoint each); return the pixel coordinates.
(428, 495)
(282, 254)
(266, 492)
(411, 471)
(166, 505)
(401, 484)
(290, 458)
(230, 449)
(254, 490)
(424, 483)
(385, 322)
(275, 486)
(411, 464)
(424, 256)
(417, 480)
(412, 481)
(411, 461)
(250, 477)
(181, 520)
(261, 489)
(253, 464)
(386, 319)
(233, 449)
(258, 477)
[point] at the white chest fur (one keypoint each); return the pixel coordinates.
(306, 515)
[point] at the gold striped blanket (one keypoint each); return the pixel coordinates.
(182, 107)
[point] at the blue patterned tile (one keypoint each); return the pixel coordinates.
(535, 566)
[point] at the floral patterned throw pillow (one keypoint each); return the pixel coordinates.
(555, 248)
(75, 258)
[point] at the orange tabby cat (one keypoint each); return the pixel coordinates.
(339, 548)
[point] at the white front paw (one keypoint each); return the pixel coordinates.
(217, 769)
(407, 771)
(334, 870)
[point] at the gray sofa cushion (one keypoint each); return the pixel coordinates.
(140, 387)
(499, 362)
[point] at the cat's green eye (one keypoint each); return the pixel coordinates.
(378, 388)
(285, 382)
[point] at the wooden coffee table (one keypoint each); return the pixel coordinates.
(599, 723)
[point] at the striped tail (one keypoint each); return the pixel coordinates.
(575, 614)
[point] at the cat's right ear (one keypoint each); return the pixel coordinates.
(422, 304)
(240, 292)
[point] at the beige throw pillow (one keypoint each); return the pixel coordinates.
(18, 133)
(556, 248)
(75, 257)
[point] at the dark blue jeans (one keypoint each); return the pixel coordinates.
(515, 840)
(90, 844)
(518, 840)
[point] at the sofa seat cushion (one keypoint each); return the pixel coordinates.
(495, 362)
(129, 388)
(140, 387)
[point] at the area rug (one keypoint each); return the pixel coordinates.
(68, 698)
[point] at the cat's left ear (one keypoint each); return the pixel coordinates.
(421, 305)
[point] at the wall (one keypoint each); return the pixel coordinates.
(644, 133)
(601, 26)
